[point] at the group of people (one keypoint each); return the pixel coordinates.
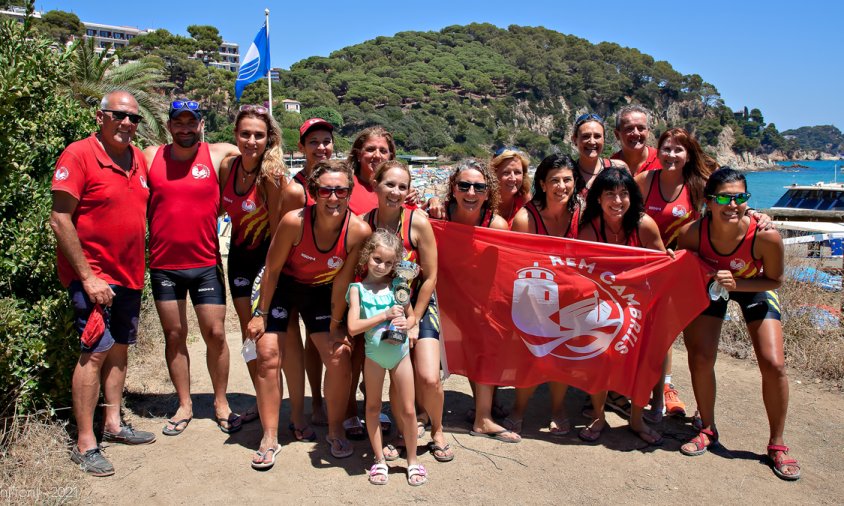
(325, 245)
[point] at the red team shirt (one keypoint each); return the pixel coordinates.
(183, 208)
(740, 261)
(248, 212)
(307, 264)
(632, 239)
(651, 162)
(571, 231)
(669, 216)
(300, 178)
(110, 216)
(362, 200)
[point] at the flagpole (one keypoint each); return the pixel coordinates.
(269, 69)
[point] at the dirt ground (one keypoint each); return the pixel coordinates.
(203, 465)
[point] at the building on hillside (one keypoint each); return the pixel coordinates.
(291, 105)
(275, 74)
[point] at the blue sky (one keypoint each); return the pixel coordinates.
(783, 57)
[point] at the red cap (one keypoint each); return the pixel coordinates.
(314, 123)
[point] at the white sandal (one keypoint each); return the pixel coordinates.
(378, 469)
(416, 470)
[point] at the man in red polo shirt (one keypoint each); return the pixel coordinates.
(184, 257)
(99, 210)
(632, 127)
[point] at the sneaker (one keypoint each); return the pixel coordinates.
(129, 436)
(92, 462)
(673, 405)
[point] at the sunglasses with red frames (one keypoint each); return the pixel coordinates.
(325, 192)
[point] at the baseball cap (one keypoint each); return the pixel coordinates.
(179, 106)
(313, 123)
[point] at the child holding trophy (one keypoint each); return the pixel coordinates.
(380, 307)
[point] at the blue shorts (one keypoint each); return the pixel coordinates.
(121, 318)
(205, 285)
(429, 325)
(243, 267)
(313, 303)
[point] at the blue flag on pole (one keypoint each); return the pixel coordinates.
(256, 63)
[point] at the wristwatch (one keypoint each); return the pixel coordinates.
(258, 312)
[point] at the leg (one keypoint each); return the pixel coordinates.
(357, 358)
(429, 388)
(701, 338)
(268, 388)
(404, 405)
(313, 368)
(212, 327)
(593, 431)
(244, 313)
(338, 373)
(517, 415)
(560, 424)
(294, 371)
(113, 375)
(767, 343)
(484, 424)
(374, 379)
(85, 389)
(172, 314)
(641, 429)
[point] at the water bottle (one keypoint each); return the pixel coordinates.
(718, 291)
(248, 351)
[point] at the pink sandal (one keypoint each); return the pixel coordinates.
(778, 455)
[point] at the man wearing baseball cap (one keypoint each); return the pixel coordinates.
(99, 211)
(184, 257)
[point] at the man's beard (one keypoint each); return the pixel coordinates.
(187, 142)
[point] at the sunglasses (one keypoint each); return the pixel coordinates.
(723, 199)
(325, 192)
(121, 115)
(502, 149)
(590, 116)
(259, 109)
(463, 186)
(184, 104)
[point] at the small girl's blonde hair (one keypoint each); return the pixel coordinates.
(381, 237)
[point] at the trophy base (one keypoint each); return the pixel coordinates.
(394, 336)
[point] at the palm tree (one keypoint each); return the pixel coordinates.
(94, 75)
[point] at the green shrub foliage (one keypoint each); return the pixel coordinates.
(37, 120)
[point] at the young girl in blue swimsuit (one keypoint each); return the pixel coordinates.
(372, 309)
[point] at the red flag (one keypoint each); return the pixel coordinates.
(522, 309)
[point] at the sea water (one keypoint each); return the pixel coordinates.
(766, 187)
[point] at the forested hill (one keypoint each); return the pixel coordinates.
(465, 88)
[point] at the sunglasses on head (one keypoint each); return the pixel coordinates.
(184, 104)
(121, 115)
(724, 199)
(260, 109)
(590, 116)
(502, 149)
(325, 192)
(463, 186)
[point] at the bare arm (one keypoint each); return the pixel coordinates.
(649, 234)
(522, 222)
(427, 245)
(358, 233)
(274, 190)
(149, 154)
(643, 181)
(769, 248)
(219, 152)
(356, 325)
(499, 223)
(61, 221)
(225, 169)
(292, 198)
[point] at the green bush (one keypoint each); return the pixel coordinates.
(37, 120)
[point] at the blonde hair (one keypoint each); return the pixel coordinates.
(273, 168)
(493, 196)
(383, 167)
(381, 237)
(504, 158)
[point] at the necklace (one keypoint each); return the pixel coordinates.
(396, 228)
(246, 173)
(616, 233)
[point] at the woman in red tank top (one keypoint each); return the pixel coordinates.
(332, 231)
(614, 214)
(510, 166)
(371, 147)
(749, 263)
(554, 211)
(251, 186)
(588, 136)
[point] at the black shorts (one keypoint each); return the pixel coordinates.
(429, 325)
(313, 303)
(121, 318)
(205, 285)
(754, 306)
(243, 266)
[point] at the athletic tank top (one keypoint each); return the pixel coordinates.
(300, 178)
(486, 220)
(740, 261)
(248, 212)
(541, 229)
(309, 265)
(583, 190)
(518, 203)
(406, 219)
(183, 207)
(632, 239)
(362, 200)
(669, 216)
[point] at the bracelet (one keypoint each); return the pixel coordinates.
(334, 320)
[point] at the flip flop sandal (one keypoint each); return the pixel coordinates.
(652, 437)
(701, 446)
(378, 469)
(234, 423)
(619, 404)
(345, 448)
(591, 435)
(420, 430)
(416, 470)
(250, 415)
(497, 435)
(263, 465)
(354, 428)
(304, 435)
(559, 427)
(513, 425)
(446, 456)
(391, 453)
(175, 431)
(779, 461)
